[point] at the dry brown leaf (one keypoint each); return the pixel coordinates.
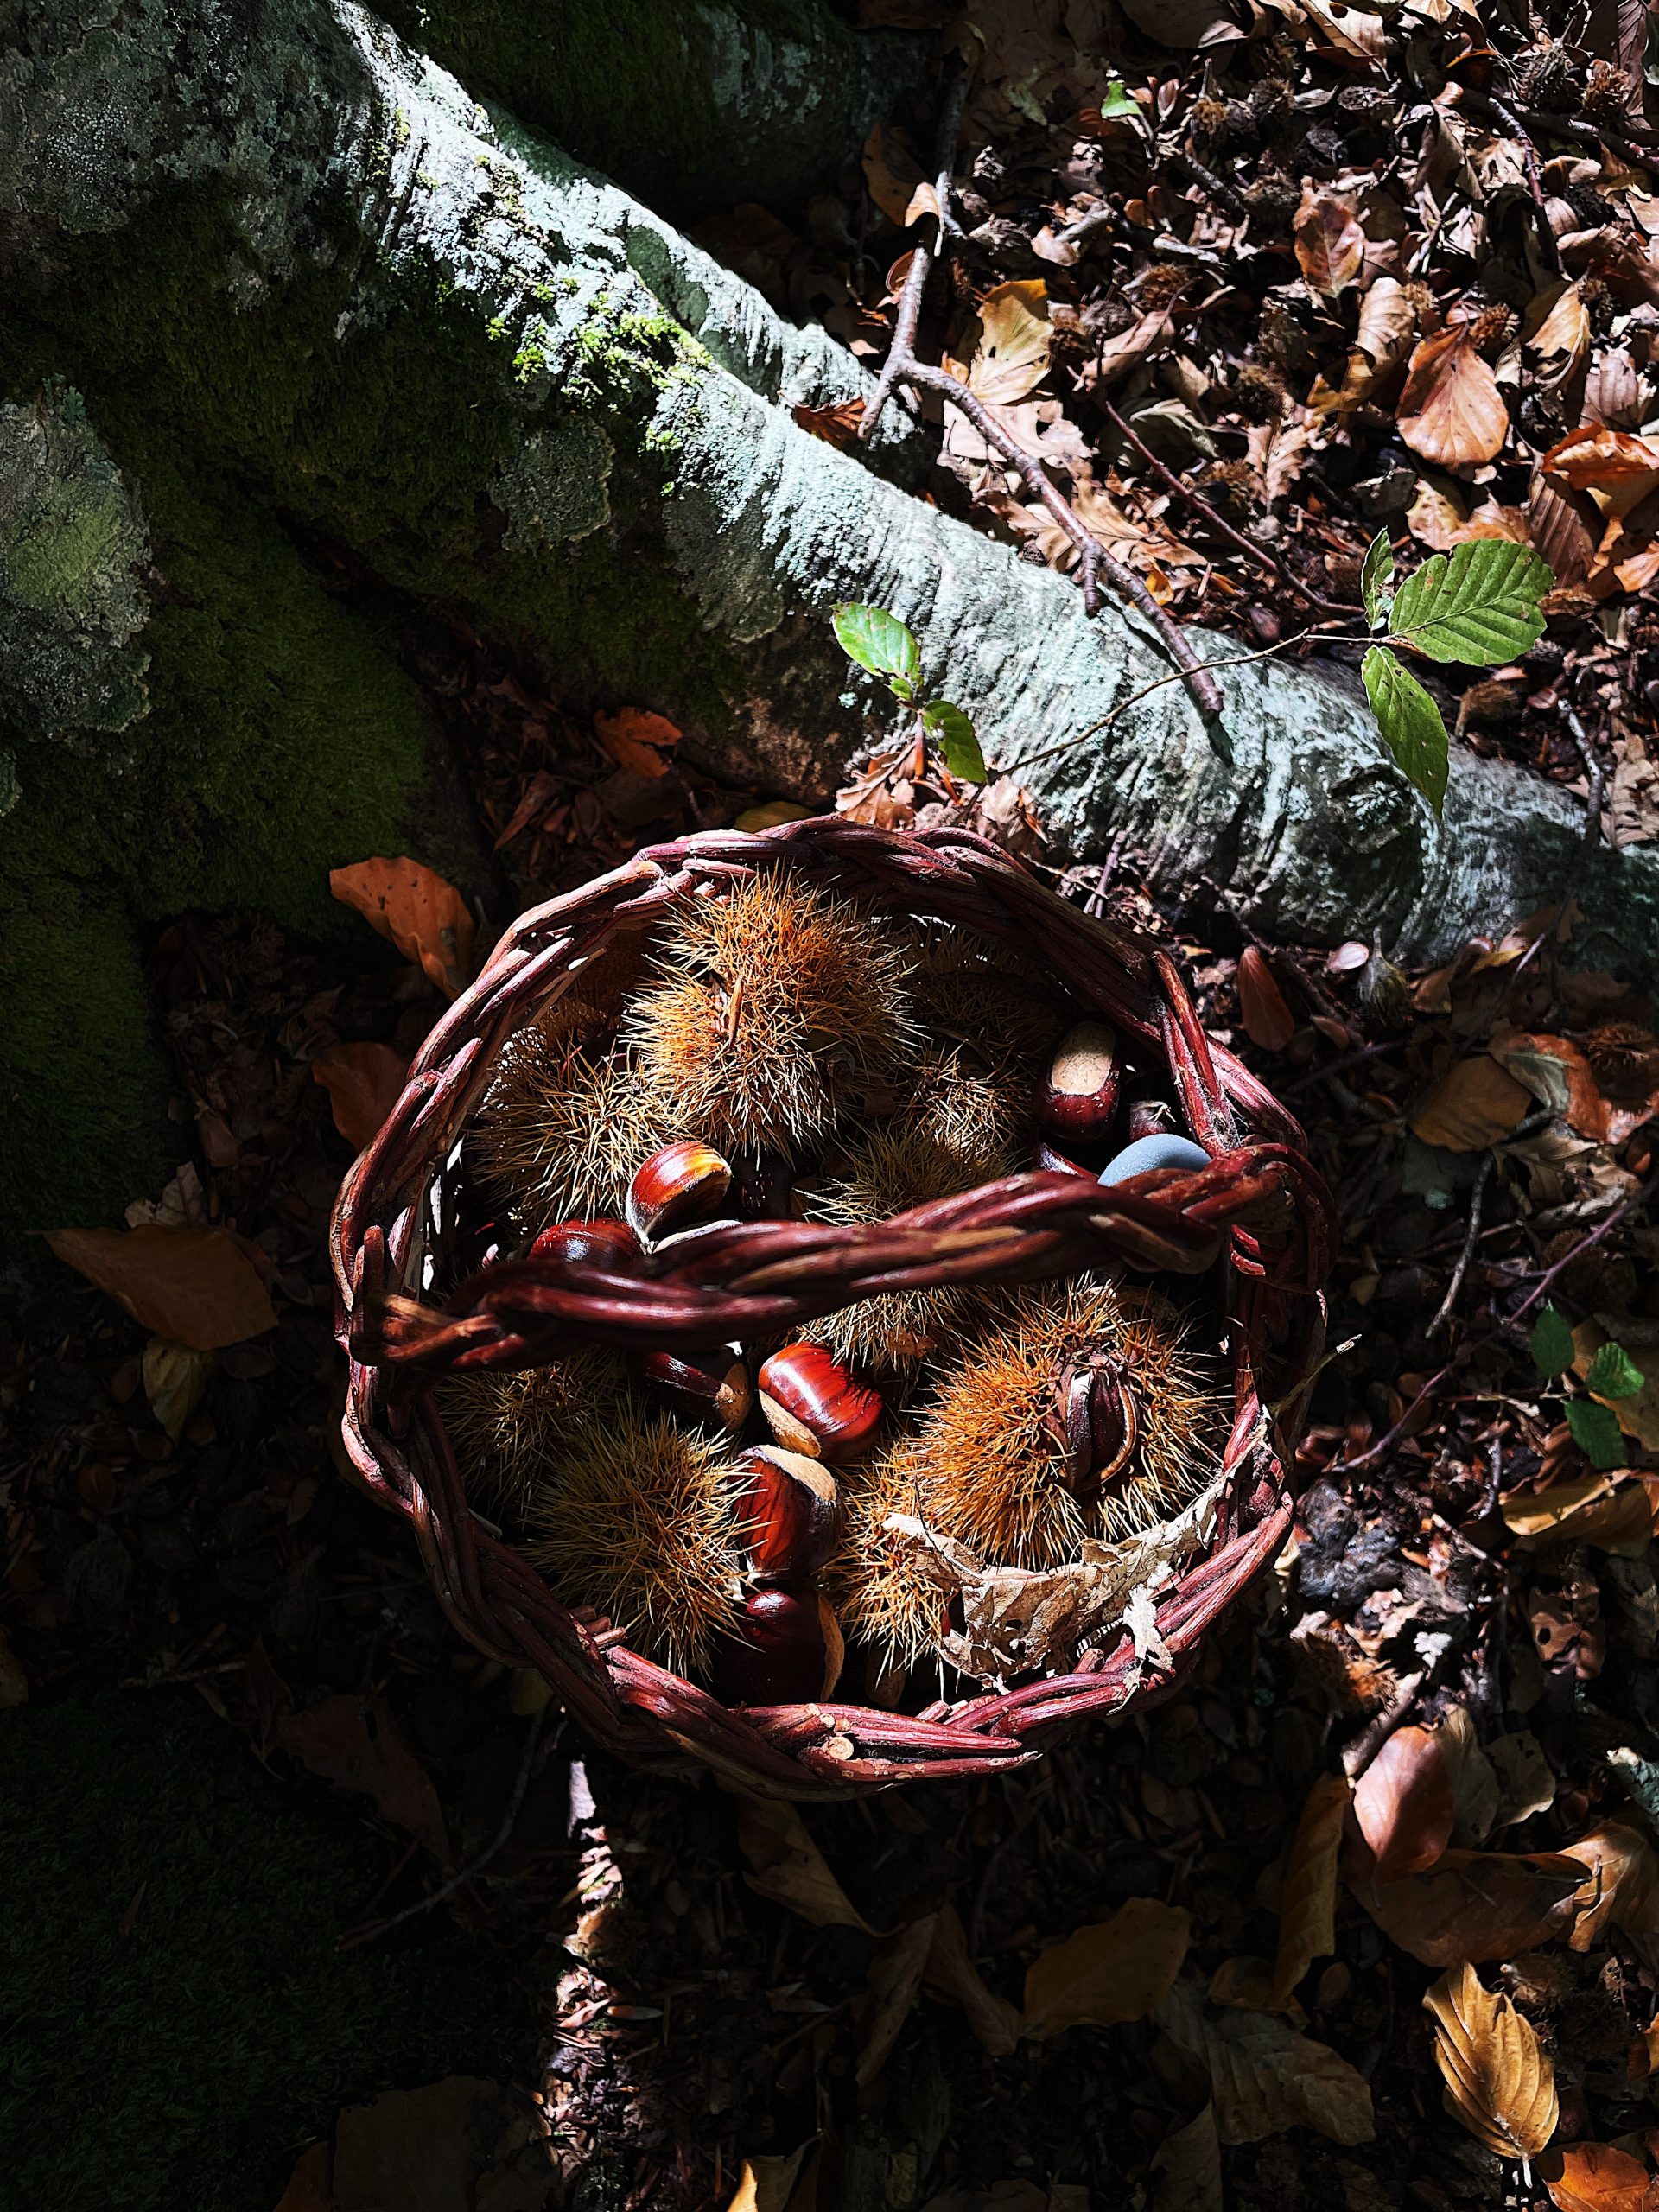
(891, 171)
(356, 1743)
(837, 426)
(950, 1973)
(1406, 1805)
(1565, 528)
(1330, 243)
(1268, 1020)
(1597, 2177)
(1184, 23)
(890, 1991)
(424, 916)
(1248, 1983)
(1498, 2081)
(193, 1283)
(1557, 330)
(1007, 343)
(1451, 411)
(175, 1382)
(311, 2186)
(1558, 1076)
(1386, 323)
(767, 2184)
(1615, 1517)
(1622, 1885)
(638, 740)
(1350, 29)
(1308, 1903)
(1119, 1969)
(1475, 1103)
(1526, 1781)
(363, 1083)
(1188, 2167)
(1475, 1905)
(1616, 463)
(1264, 2077)
(788, 1866)
(455, 2146)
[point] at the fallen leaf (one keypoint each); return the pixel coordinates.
(1474, 1905)
(424, 916)
(638, 740)
(363, 1083)
(1184, 23)
(788, 1867)
(1616, 463)
(951, 1974)
(1526, 1780)
(1264, 2077)
(769, 815)
(1564, 528)
(1405, 1804)
(1387, 322)
(767, 2184)
(1558, 1076)
(1268, 1020)
(193, 1283)
(1330, 243)
(890, 1991)
(1307, 1901)
(455, 2146)
(1007, 343)
(1498, 2081)
(1597, 2177)
(1557, 330)
(1622, 1885)
(891, 171)
(1475, 1103)
(1118, 1969)
(1188, 2166)
(1451, 411)
(356, 1743)
(1639, 1415)
(311, 2186)
(175, 1382)
(837, 426)
(1350, 29)
(1584, 1509)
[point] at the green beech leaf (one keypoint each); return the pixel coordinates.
(880, 642)
(1596, 1432)
(1552, 1342)
(1481, 605)
(1614, 1374)
(1116, 101)
(1410, 722)
(1376, 580)
(954, 733)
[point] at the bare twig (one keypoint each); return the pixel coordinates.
(1212, 187)
(1476, 1200)
(902, 352)
(1103, 217)
(1172, 482)
(1561, 126)
(1236, 660)
(1501, 112)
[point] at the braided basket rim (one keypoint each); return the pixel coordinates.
(387, 1223)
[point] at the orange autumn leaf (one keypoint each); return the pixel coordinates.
(1307, 1908)
(1597, 2177)
(638, 740)
(1499, 2081)
(194, 1283)
(1615, 462)
(1268, 1020)
(1471, 1904)
(1119, 1969)
(1622, 1884)
(837, 426)
(362, 1082)
(425, 916)
(1406, 1805)
(1330, 244)
(1474, 1105)
(1008, 342)
(1451, 411)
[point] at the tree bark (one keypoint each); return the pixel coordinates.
(266, 236)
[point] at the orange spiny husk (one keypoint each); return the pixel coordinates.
(503, 1428)
(986, 997)
(565, 1122)
(778, 1004)
(984, 1467)
(637, 1518)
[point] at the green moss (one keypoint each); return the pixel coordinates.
(178, 2021)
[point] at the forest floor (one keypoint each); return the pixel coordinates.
(532, 1952)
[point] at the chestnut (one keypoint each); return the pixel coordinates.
(787, 1650)
(1080, 1095)
(701, 1385)
(682, 1183)
(789, 1512)
(814, 1405)
(1061, 1163)
(575, 1241)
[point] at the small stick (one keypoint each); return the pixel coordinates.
(1104, 217)
(1469, 1244)
(902, 352)
(1213, 187)
(1172, 482)
(1563, 126)
(1506, 115)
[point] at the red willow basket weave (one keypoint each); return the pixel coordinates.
(1258, 1208)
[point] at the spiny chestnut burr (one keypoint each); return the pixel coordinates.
(814, 1405)
(684, 1183)
(789, 1513)
(1080, 1095)
(586, 1240)
(703, 1386)
(786, 1651)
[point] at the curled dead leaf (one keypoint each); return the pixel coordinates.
(1188, 2166)
(1615, 1516)
(638, 740)
(787, 1866)
(363, 1083)
(1264, 2077)
(356, 1743)
(425, 916)
(1330, 243)
(1451, 411)
(1268, 1020)
(1474, 1905)
(1307, 1905)
(193, 1283)
(1614, 462)
(1119, 1969)
(1597, 2177)
(1622, 1885)
(175, 1382)
(1406, 1805)
(950, 1973)
(1475, 1103)
(1499, 2082)
(1007, 343)
(891, 1989)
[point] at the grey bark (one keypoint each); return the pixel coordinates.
(325, 136)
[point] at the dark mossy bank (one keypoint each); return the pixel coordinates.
(176, 2019)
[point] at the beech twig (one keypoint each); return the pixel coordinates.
(1563, 126)
(1503, 113)
(1476, 1200)
(901, 353)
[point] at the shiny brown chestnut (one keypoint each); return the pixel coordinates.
(703, 1386)
(684, 1183)
(586, 1240)
(1148, 1115)
(787, 1650)
(816, 1406)
(1080, 1095)
(789, 1513)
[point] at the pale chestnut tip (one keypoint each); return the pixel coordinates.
(684, 1183)
(705, 1386)
(787, 1649)
(585, 1240)
(1080, 1095)
(789, 1513)
(814, 1405)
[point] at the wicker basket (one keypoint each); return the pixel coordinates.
(1258, 1208)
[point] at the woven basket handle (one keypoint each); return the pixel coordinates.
(759, 1279)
